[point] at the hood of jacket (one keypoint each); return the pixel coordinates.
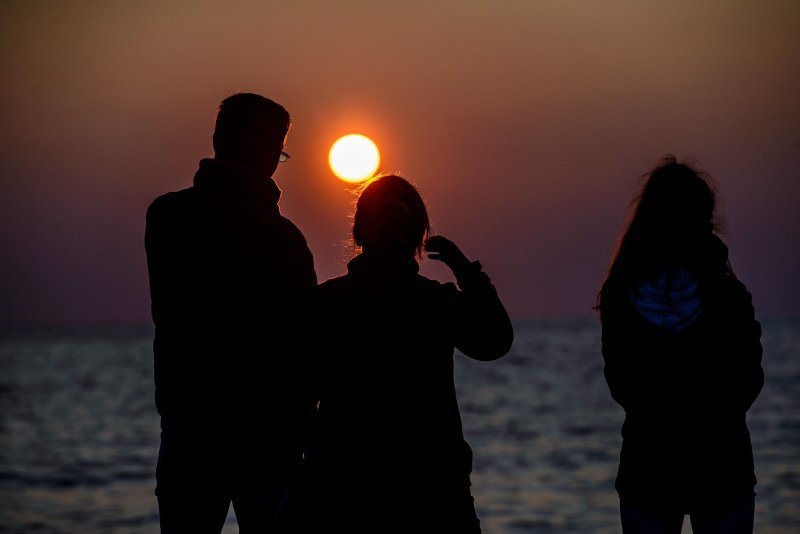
(670, 300)
(234, 178)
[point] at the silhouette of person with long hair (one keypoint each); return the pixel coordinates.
(226, 272)
(389, 453)
(682, 356)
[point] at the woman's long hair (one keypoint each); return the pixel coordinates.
(673, 225)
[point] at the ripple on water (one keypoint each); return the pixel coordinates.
(79, 433)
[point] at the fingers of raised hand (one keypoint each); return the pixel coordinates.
(439, 244)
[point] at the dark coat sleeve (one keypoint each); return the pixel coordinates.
(167, 290)
(296, 268)
(616, 349)
(741, 375)
(155, 241)
(482, 327)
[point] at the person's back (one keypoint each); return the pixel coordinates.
(391, 388)
(390, 436)
(685, 393)
(226, 271)
(225, 268)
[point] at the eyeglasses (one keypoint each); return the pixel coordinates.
(283, 157)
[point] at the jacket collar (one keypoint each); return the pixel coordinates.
(382, 266)
(236, 178)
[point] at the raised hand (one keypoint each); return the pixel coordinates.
(442, 249)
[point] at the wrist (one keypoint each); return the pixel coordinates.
(467, 271)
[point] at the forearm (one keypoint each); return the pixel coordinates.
(485, 330)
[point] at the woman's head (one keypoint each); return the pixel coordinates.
(673, 224)
(391, 217)
(676, 204)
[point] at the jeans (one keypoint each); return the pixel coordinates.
(734, 519)
(203, 510)
(194, 491)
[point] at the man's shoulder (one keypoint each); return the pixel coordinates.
(285, 228)
(333, 284)
(168, 202)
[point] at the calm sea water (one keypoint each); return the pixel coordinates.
(79, 433)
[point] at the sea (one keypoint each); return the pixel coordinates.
(79, 431)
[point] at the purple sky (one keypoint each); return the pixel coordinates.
(524, 124)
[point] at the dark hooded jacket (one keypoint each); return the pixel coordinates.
(226, 271)
(683, 358)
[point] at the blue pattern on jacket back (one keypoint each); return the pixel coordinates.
(671, 300)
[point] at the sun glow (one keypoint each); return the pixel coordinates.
(354, 158)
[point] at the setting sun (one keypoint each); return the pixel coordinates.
(354, 158)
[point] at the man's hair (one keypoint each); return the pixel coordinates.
(248, 125)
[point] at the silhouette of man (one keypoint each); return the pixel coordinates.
(226, 273)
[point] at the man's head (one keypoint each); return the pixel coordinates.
(251, 129)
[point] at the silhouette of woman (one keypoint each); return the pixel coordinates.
(389, 449)
(682, 356)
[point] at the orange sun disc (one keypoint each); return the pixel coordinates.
(354, 158)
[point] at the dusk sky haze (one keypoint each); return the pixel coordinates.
(525, 125)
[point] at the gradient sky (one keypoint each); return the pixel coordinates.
(525, 124)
